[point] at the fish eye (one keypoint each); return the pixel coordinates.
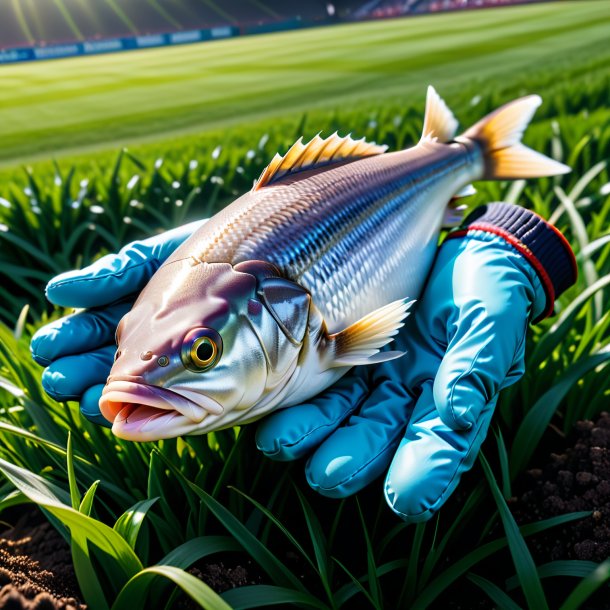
(201, 349)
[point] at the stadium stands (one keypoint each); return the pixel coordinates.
(25, 23)
(375, 9)
(43, 22)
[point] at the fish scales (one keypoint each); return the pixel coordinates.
(309, 274)
(341, 232)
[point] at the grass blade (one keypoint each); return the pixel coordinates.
(87, 504)
(185, 555)
(135, 590)
(261, 554)
(189, 552)
(500, 599)
(74, 495)
(319, 542)
(558, 331)
(19, 326)
(554, 569)
(56, 501)
(539, 416)
(524, 564)
(504, 464)
(129, 523)
(374, 585)
(579, 229)
(264, 596)
(356, 583)
(410, 586)
(278, 524)
(587, 586)
(86, 574)
(464, 564)
(468, 508)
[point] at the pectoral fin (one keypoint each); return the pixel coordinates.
(360, 343)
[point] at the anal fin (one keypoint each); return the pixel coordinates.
(360, 343)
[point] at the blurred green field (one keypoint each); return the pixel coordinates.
(72, 106)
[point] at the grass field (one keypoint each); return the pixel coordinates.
(73, 106)
(138, 516)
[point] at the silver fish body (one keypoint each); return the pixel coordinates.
(344, 233)
(310, 273)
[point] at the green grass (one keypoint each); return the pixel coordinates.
(76, 106)
(138, 515)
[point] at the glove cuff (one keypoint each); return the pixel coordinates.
(543, 246)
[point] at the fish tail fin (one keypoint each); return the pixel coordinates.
(360, 343)
(500, 133)
(439, 122)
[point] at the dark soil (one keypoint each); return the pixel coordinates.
(577, 479)
(222, 577)
(36, 567)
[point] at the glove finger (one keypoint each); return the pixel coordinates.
(485, 352)
(357, 453)
(293, 432)
(78, 333)
(68, 378)
(430, 460)
(90, 408)
(116, 276)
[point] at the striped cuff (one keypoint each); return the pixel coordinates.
(546, 249)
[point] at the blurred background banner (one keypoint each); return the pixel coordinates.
(110, 45)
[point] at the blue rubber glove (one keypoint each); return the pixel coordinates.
(78, 350)
(422, 418)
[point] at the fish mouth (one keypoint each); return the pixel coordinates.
(142, 412)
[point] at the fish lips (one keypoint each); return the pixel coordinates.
(142, 412)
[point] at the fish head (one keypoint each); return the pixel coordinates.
(203, 345)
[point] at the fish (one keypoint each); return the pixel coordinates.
(310, 273)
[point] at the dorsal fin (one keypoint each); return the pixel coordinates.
(439, 121)
(315, 153)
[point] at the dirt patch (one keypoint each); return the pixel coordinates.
(577, 479)
(36, 570)
(221, 577)
(36, 567)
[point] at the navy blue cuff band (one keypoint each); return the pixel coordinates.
(540, 242)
